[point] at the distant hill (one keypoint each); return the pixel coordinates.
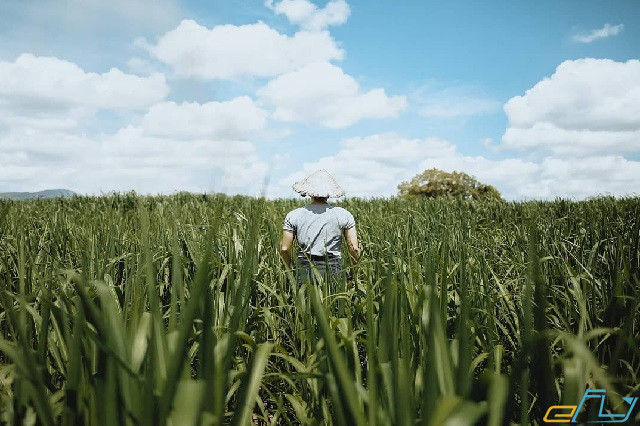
(47, 193)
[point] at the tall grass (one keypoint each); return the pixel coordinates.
(177, 310)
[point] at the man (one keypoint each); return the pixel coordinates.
(319, 228)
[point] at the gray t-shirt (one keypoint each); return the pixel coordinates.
(318, 228)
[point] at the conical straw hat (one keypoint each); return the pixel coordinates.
(319, 184)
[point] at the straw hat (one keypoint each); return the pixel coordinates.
(319, 184)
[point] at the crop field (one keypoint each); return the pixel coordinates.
(177, 310)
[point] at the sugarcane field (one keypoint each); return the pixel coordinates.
(127, 309)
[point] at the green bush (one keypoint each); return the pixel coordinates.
(438, 183)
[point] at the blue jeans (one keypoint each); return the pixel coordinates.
(332, 279)
(330, 269)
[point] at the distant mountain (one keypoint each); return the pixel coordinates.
(47, 193)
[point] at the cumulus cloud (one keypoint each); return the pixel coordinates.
(56, 148)
(575, 142)
(607, 31)
(54, 93)
(376, 164)
(160, 164)
(322, 93)
(587, 106)
(129, 159)
(309, 16)
(235, 119)
(230, 51)
(584, 177)
(33, 159)
(186, 146)
(62, 82)
(59, 81)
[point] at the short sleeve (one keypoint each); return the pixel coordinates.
(348, 221)
(288, 223)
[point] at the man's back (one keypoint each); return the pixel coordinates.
(318, 228)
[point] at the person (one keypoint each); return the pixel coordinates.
(319, 229)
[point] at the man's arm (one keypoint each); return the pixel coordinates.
(352, 243)
(286, 245)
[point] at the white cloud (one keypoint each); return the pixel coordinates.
(229, 51)
(129, 159)
(33, 159)
(587, 106)
(607, 31)
(61, 82)
(235, 119)
(187, 146)
(309, 16)
(322, 93)
(53, 93)
(160, 164)
(575, 142)
(584, 177)
(43, 146)
(375, 165)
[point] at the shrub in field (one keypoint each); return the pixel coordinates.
(438, 183)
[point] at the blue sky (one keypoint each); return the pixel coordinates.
(540, 99)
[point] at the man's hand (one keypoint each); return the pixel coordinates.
(286, 245)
